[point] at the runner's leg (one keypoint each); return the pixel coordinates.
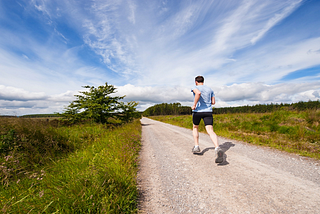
(214, 138)
(212, 135)
(196, 135)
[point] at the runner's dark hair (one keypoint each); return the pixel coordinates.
(199, 79)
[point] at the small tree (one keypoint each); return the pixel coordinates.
(128, 111)
(98, 105)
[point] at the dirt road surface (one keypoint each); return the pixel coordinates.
(251, 179)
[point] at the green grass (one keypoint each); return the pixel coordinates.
(291, 131)
(88, 168)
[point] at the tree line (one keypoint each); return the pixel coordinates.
(178, 109)
(263, 108)
(39, 115)
(167, 109)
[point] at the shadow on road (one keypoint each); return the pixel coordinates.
(225, 147)
(204, 151)
(145, 124)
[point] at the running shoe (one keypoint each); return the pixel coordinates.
(219, 155)
(196, 149)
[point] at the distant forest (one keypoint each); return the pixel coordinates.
(167, 109)
(262, 108)
(40, 115)
(178, 109)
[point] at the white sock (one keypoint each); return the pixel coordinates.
(196, 146)
(217, 148)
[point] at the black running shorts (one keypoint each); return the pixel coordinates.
(206, 116)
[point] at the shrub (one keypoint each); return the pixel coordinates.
(26, 144)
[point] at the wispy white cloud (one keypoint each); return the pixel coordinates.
(132, 8)
(275, 19)
(40, 5)
(24, 56)
(51, 68)
(104, 36)
(232, 32)
(61, 35)
(270, 62)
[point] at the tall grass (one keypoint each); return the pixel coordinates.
(291, 131)
(88, 168)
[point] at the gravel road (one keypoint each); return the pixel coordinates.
(251, 179)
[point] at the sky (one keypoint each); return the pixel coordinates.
(249, 51)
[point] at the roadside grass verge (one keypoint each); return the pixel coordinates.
(87, 168)
(292, 131)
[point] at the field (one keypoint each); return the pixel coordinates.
(292, 131)
(46, 167)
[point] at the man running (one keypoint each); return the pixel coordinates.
(202, 109)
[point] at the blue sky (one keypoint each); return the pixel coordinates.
(249, 51)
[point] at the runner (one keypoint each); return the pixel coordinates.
(202, 109)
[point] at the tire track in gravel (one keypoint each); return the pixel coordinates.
(250, 180)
